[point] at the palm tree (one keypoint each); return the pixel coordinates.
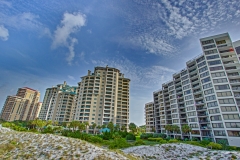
(175, 129)
(99, 127)
(81, 126)
(110, 126)
(117, 127)
(103, 126)
(168, 127)
(94, 126)
(86, 126)
(186, 129)
(74, 125)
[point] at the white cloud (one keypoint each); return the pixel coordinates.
(71, 23)
(71, 77)
(3, 33)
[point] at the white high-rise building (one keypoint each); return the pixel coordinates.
(205, 95)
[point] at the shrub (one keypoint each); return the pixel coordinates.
(155, 139)
(162, 141)
(123, 134)
(173, 141)
(146, 135)
(95, 139)
(139, 142)
(214, 145)
(159, 135)
(205, 142)
(116, 135)
(232, 148)
(107, 135)
(196, 143)
(131, 137)
(119, 143)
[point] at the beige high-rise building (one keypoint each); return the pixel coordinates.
(103, 97)
(24, 106)
(59, 103)
(149, 117)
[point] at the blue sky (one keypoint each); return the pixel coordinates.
(43, 43)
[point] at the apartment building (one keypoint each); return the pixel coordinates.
(59, 103)
(149, 117)
(24, 106)
(103, 97)
(205, 95)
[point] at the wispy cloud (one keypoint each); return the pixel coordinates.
(71, 77)
(3, 33)
(70, 24)
(146, 77)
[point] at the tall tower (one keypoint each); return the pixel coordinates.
(103, 97)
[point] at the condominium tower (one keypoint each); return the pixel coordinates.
(23, 106)
(59, 103)
(103, 97)
(205, 95)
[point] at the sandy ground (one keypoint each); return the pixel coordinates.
(24, 145)
(180, 151)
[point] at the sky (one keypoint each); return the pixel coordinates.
(43, 43)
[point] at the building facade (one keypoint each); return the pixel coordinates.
(103, 97)
(59, 103)
(205, 95)
(149, 117)
(24, 106)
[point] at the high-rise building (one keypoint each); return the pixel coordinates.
(149, 117)
(205, 95)
(59, 103)
(24, 106)
(103, 97)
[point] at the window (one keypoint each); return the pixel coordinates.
(200, 59)
(209, 46)
(203, 69)
(192, 119)
(220, 80)
(222, 87)
(213, 111)
(189, 102)
(185, 77)
(214, 63)
(212, 104)
(188, 97)
(210, 91)
(195, 125)
(217, 125)
(216, 118)
(191, 114)
(228, 109)
(207, 42)
(216, 68)
(175, 121)
(234, 133)
(226, 101)
(187, 92)
(213, 56)
(204, 74)
(221, 42)
(190, 108)
(185, 82)
(205, 80)
(218, 74)
(230, 116)
(175, 116)
(211, 52)
(201, 64)
(183, 73)
(224, 94)
(207, 85)
(232, 124)
(219, 133)
(186, 87)
(210, 98)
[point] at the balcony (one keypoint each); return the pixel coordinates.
(201, 108)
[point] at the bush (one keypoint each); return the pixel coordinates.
(116, 135)
(196, 143)
(146, 135)
(214, 145)
(205, 142)
(123, 134)
(155, 139)
(94, 139)
(232, 148)
(173, 141)
(131, 137)
(162, 141)
(107, 135)
(159, 135)
(119, 143)
(139, 142)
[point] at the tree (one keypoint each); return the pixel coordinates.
(39, 124)
(116, 127)
(86, 126)
(168, 127)
(186, 129)
(110, 126)
(81, 126)
(123, 128)
(133, 127)
(99, 127)
(103, 126)
(74, 125)
(94, 126)
(175, 129)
